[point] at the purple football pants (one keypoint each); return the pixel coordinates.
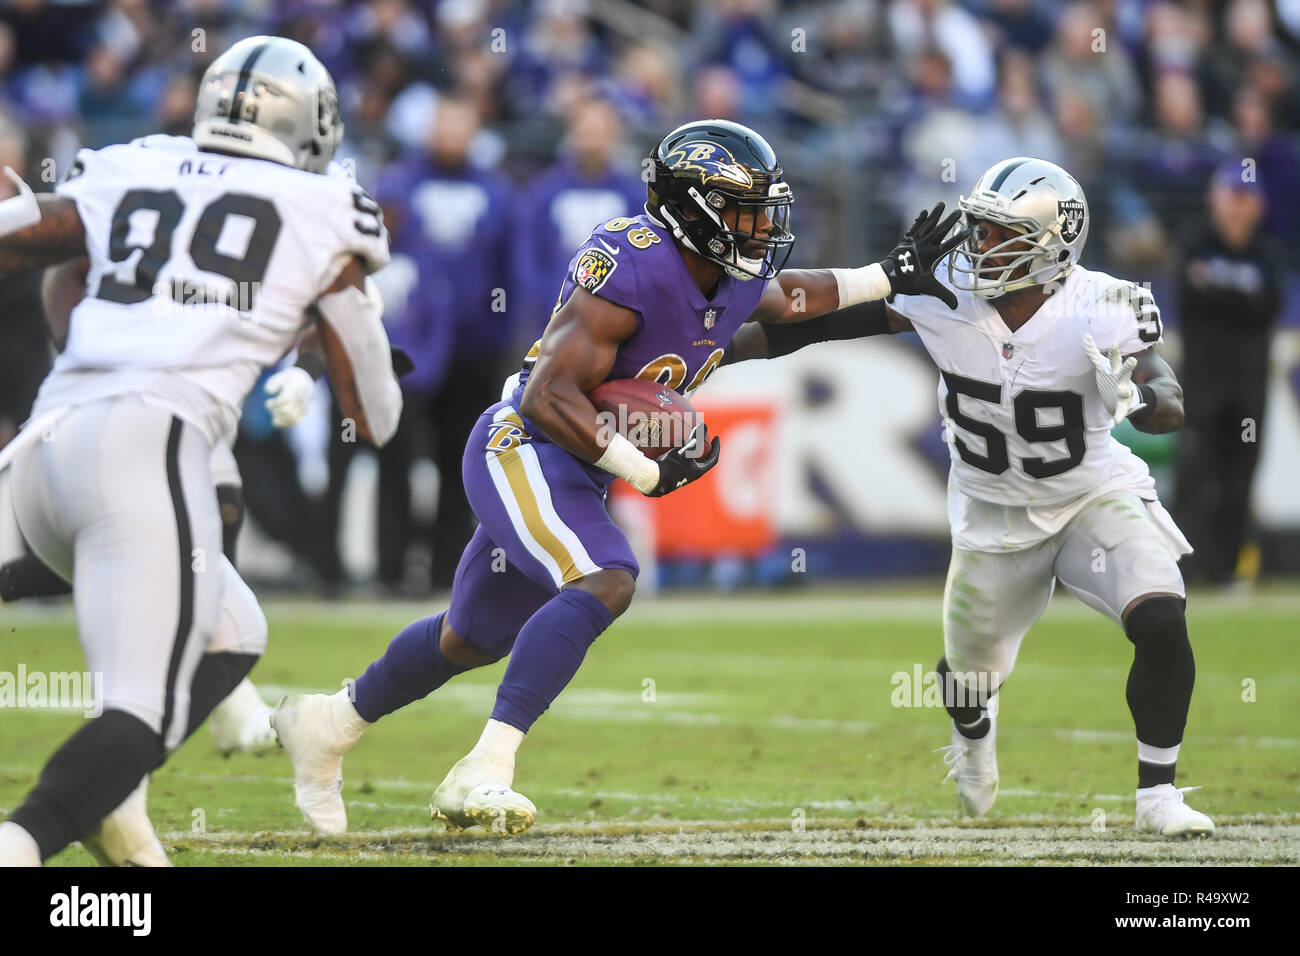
(542, 525)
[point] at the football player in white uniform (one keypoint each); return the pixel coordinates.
(209, 257)
(241, 721)
(1039, 358)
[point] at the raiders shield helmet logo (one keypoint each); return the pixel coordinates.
(1071, 211)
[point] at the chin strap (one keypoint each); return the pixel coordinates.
(678, 232)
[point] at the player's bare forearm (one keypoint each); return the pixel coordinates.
(564, 413)
(798, 295)
(62, 287)
(58, 237)
(1167, 415)
(577, 351)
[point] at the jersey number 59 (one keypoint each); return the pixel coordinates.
(1027, 405)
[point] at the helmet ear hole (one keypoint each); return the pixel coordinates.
(1063, 255)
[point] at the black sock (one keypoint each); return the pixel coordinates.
(969, 717)
(29, 577)
(1160, 682)
(215, 677)
(1151, 774)
(87, 778)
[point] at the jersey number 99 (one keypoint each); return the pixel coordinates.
(245, 271)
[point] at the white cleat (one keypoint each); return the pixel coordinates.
(304, 725)
(471, 794)
(252, 734)
(126, 837)
(975, 765)
(17, 848)
(1160, 809)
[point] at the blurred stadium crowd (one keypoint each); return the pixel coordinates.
(497, 132)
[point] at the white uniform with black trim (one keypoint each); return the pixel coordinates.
(1038, 488)
(201, 269)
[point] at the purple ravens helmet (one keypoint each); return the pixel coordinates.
(705, 168)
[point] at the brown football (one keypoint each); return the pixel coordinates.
(651, 416)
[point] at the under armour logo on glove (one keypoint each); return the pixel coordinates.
(910, 266)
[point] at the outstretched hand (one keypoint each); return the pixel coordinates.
(910, 265)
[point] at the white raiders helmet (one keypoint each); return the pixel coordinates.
(1046, 207)
(269, 98)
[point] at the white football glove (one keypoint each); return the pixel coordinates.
(18, 212)
(1114, 380)
(291, 391)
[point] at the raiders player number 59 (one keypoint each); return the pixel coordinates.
(1038, 359)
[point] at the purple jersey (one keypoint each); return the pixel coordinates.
(680, 333)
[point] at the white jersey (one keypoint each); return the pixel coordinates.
(1029, 436)
(201, 268)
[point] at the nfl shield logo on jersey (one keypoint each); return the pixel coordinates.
(1007, 349)
(710, 317)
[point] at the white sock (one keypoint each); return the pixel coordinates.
(348, 724)
(17, 846)
(1159, 755)
(497, 747)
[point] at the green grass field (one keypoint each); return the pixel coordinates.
(770, 738)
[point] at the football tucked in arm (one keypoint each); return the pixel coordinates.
(651, 416)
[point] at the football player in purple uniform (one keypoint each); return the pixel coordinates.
(657, 296)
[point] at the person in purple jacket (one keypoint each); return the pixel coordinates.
(452, 222)
(657, 296)
(563, 204)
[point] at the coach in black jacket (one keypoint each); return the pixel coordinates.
(1229, 291)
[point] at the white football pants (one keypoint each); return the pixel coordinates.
(1110, 554)
(117, 497)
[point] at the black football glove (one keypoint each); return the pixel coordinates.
(910, 266)
(678, 467)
